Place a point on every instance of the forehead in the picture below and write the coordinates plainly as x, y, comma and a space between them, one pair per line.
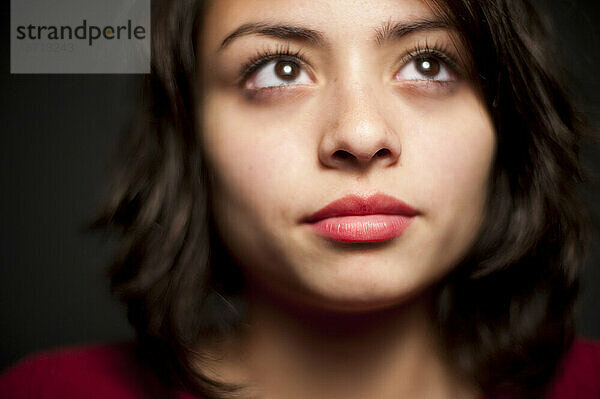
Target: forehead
338, 19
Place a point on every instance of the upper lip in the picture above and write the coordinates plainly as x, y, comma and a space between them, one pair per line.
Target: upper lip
355, 205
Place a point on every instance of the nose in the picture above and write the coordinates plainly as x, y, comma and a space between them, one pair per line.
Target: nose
356, 135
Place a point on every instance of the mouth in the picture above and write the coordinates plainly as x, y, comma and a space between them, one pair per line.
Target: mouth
355, 219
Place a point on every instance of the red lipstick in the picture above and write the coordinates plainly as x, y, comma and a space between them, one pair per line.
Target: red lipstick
352, 218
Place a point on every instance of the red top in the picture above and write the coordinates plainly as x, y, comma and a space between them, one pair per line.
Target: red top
113, 371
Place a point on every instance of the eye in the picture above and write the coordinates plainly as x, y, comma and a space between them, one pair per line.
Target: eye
427, 68
278, 73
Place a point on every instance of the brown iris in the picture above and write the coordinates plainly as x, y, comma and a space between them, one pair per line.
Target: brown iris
428, 66
287, 70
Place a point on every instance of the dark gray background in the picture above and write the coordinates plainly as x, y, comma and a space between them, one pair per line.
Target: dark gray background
57, 134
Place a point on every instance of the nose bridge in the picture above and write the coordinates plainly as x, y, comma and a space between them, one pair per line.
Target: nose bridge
357, 131
358, 112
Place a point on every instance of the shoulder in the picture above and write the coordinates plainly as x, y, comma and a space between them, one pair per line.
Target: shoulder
579, 376
99, 371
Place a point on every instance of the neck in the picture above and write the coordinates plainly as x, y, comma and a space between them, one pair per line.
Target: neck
287, 351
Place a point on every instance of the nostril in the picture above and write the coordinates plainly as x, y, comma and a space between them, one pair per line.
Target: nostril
343, 155
384, 152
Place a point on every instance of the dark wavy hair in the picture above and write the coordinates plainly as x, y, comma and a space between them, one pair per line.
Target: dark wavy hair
505, 314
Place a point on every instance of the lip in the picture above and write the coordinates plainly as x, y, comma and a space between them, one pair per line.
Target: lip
358, 219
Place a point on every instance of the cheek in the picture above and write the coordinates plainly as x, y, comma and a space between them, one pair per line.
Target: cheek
448, 147
452, 157
249, 152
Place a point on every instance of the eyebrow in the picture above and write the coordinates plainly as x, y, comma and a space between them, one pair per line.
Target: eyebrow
390, 31
393, 31
289, 32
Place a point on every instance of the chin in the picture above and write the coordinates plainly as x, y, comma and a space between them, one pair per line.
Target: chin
359, 295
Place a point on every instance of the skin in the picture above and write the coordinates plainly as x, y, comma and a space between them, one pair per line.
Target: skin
346, 319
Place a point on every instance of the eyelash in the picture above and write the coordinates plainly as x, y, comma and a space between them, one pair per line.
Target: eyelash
284, 53
281, 53
437, 51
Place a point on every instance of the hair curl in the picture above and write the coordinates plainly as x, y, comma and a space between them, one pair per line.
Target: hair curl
505, 313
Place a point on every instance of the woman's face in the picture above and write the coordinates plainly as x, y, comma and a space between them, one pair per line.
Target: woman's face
308, 102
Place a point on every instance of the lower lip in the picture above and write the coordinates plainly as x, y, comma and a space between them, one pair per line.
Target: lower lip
365, 228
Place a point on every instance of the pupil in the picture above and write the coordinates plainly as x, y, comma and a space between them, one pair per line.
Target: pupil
287, 70
428, 66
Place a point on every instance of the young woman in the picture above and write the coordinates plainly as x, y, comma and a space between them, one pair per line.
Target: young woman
344, 199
